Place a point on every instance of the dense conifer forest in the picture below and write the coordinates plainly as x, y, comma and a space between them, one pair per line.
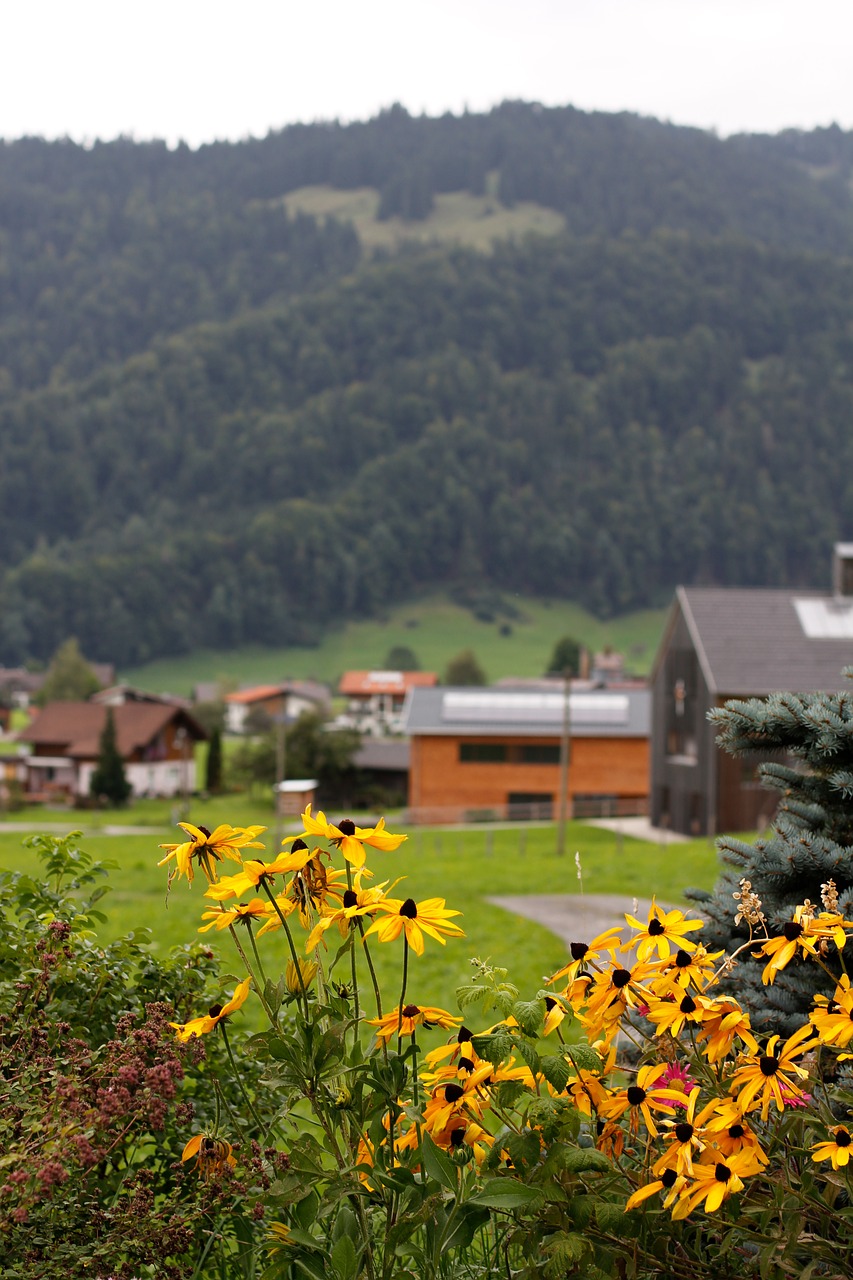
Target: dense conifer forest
219, 423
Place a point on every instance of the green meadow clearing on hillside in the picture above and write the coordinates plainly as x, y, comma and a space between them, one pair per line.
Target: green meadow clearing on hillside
516, 641
463, 866
458, 217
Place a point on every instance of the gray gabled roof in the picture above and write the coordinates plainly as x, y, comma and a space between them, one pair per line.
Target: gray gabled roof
492, 712
752, 642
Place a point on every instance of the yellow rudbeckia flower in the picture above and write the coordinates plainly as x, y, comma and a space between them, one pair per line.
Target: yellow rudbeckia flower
209, 847
415, 919
349, 838
215, 1014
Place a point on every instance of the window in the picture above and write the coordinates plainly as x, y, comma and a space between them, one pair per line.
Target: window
539, 753
482, 753
682, 689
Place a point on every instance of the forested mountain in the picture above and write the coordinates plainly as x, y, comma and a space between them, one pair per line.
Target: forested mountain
216, 426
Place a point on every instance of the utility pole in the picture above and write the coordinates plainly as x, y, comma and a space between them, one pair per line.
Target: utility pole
565, 752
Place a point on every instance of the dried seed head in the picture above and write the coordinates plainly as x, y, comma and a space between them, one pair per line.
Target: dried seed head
829, 895
749, 908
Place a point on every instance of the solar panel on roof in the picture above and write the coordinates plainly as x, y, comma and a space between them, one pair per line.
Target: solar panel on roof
824, 619
489, 706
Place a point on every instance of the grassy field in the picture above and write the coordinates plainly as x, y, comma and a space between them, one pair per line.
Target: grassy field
457, 218
436, 629
464, 867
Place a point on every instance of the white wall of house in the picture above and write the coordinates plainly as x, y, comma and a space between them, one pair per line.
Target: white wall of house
157, 778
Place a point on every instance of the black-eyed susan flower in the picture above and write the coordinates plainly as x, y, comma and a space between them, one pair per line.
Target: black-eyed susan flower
764, 1077
213, 1156
833, 1018
837, 1148
206, 848
671, 1016
415, 919
712, 1183
355, 902
663, 932
278, 1238
241, 913
719, 1030
413, 1015
215, 1014
349, 838
797, 936
686, 969
685, 1139
641, 1098
585, 953
669, 1182
255, 873
461, 1046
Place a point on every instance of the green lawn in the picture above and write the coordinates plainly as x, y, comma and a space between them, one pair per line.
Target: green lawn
436, 629
464, 867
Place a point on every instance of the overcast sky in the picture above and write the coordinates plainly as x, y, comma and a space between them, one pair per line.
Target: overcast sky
205, 69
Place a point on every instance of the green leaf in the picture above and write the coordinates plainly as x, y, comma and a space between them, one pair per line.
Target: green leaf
556, 1071
495, 1047
529, 1015
583, 1057
469, 994
437, 1165
504, 1194
469, 1220
585, 1160
345, 1258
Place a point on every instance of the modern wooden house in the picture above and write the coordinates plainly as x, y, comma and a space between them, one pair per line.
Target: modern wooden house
375, 699
288, 699
723, 643
496, 752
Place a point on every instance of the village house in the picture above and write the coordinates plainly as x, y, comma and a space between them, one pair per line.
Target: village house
497, 752
279, 703
154, 739
375, 699
722, 643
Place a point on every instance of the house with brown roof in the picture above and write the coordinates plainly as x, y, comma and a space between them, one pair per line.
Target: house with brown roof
154, 739
722, 643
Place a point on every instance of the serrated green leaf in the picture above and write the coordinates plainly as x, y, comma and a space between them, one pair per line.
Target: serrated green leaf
583, 1057
493, 1048
469, 994
529, 1014
556, 1070
613, 1219
585, 1160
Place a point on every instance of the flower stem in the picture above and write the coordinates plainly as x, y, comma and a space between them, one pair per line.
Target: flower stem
268, 891
239, 1078
259, 989
403, 993
352, 962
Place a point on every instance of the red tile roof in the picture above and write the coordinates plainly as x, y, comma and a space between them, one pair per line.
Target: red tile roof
365, 683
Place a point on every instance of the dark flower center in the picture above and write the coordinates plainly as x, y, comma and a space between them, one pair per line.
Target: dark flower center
684, 1131
688, 1005
409, 909
635, 1095
578, 950
463, 1035
769, 1065
457, 1137
465, 1064
682, 959
205, 830
208, 1144
346, 826
298, 846
350, 897
620, 977
792, 931
656, 929
410, 1010
842, 1138
453, 1092
550, 1003
722, 1172
736, 1131
668, 1178
215, 1010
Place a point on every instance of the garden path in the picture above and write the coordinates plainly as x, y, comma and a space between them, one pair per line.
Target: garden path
578, 917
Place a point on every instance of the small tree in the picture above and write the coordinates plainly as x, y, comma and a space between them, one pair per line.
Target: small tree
809, 843
401, 658
565, 658
213, 774
465, 669
109, 780
69, 677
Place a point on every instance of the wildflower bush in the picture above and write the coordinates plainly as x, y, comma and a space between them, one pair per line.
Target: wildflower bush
624, 1121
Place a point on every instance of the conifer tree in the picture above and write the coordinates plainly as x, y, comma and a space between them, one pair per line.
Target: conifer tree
213, 774
109, 780
809, 843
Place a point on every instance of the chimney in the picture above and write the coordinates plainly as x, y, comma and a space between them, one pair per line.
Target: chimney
842, 570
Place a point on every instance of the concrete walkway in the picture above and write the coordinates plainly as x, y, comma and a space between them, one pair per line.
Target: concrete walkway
639, 829
579, 917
